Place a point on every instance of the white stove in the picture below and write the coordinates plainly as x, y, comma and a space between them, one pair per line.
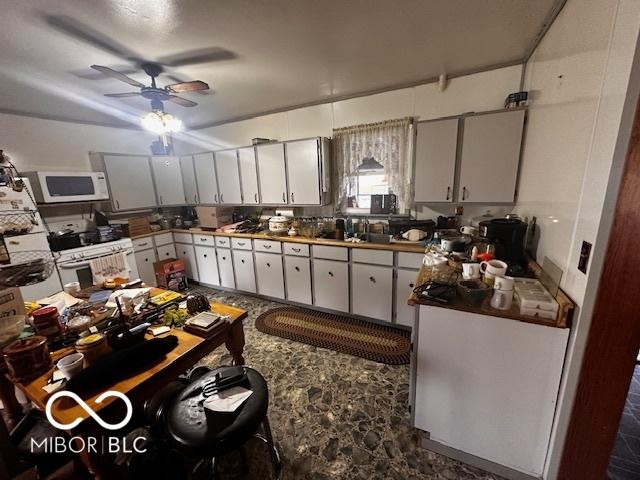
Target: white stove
73, 264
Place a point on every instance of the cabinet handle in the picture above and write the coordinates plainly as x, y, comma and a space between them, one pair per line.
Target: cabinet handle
184, 253
411, 285
242, 244
331, 274
143, 244
118, 204
255, 197
224, 258
161, 200
146, 259
373, 280
242, 261
464, 193
448, 192
222, 198
205, 255
268, 265
292, 200
284, 197
267, 246
14, 242
215, 198
297, 250
195, 198
297, 269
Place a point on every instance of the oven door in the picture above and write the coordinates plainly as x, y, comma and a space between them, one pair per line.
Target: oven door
81, 271
60, 187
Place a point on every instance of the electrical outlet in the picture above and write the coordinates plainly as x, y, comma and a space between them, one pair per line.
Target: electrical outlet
585, 253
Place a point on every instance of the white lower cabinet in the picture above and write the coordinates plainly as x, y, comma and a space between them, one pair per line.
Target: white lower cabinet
245, 273
207, 265
298, 274
405, 281
225, 268
166, 251
331, 284
269, 276
145, 260
372, 291
187, 254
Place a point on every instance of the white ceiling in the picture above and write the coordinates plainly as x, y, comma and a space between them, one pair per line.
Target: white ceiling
288, 52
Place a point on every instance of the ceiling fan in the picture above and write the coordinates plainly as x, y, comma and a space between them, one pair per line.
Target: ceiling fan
153, 92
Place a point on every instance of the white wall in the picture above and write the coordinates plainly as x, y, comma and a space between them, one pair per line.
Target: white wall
578, 131
477, 92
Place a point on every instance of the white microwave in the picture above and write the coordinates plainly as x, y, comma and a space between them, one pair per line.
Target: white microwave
59, 187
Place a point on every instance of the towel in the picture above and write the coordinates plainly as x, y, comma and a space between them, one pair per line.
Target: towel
111, 266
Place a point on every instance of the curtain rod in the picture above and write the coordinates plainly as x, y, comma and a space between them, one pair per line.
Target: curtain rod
385, 123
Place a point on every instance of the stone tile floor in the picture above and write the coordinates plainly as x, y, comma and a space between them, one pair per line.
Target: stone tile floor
624, 463
335, 416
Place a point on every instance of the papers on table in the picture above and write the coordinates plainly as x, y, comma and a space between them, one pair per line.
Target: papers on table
227, 400
61, 300
129, 293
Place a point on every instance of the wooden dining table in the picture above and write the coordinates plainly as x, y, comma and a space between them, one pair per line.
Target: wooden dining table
138, 387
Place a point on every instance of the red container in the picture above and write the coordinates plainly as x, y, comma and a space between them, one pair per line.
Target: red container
46, 321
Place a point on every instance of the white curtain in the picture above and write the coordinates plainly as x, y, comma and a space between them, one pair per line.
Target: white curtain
388, 142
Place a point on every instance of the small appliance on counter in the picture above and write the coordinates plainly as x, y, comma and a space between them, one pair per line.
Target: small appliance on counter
64, 240
279, 225
507, 234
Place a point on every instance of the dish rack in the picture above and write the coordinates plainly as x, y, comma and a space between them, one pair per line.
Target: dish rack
17, 222
26, 268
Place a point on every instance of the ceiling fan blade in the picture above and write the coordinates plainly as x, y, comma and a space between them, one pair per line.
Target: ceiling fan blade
176, 79
86, 34
123, 95
117, 75
182, 101
91, 74
193, 57
193, 86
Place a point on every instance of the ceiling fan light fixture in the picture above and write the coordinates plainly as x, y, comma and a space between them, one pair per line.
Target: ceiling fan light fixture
161, 123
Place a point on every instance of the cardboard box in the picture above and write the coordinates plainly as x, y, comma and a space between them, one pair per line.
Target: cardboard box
214, 217
171, 274
11, 303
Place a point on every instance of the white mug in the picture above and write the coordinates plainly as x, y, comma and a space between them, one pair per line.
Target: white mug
503, 283
71, 287
71, 364
468, 230
470, 271
502, 299
493, 269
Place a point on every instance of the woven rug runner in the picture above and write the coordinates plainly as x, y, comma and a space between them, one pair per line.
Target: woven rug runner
380, 343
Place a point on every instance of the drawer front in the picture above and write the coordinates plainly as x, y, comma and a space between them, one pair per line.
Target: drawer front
142, 243
166, 251
372, 291
267, 246
410, 260
405, 282
331, 284
163, 238
224, 242
297, 249
200, 239
331, 253
182, 237
245, 274
241, 243
298, 274
377, 257
269, 275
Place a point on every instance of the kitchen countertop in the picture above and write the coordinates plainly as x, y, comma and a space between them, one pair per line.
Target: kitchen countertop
396, 247
563, 320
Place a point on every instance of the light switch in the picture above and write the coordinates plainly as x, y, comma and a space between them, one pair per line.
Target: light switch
585, 253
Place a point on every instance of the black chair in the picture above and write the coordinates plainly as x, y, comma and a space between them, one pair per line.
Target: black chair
201, 435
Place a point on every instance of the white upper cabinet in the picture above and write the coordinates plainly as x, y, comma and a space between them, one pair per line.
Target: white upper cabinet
189, 179
168, 178
206, 178
272, 173
303, 170
228, 176
436, 145
130, 182
248, 176
490, 157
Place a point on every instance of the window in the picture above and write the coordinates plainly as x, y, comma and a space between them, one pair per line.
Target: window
370, 179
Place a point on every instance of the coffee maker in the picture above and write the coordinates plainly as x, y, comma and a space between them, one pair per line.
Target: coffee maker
507, 234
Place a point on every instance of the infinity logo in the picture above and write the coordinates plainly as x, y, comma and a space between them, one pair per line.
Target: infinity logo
89, 410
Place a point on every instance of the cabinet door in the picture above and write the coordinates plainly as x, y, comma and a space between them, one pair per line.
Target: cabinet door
130, 182
225, 267
490, 157
248, 175
303, 172
207, 265
189, 180
206, 178
187, 254
166, 251
298, 274
272, 173
228, 176
405, 313
168, 179
331, 284
436, 146
372, 291
269, 276
245, 273
145, 260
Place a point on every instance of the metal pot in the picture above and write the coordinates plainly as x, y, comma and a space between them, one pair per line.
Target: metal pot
279, 224
453, 244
